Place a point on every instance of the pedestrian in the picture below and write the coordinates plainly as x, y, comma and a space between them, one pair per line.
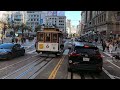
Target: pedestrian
103, 45
116, 46
12, 40
16, 40
110, 47
107, 45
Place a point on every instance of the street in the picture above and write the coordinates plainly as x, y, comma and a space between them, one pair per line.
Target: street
37, 66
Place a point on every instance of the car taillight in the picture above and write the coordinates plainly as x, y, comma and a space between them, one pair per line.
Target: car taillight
86, 46
99, 56
74, 54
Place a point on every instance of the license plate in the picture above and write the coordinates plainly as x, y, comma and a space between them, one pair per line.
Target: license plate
86, 59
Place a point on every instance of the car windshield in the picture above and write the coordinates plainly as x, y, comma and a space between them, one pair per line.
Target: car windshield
6, 46
90, 51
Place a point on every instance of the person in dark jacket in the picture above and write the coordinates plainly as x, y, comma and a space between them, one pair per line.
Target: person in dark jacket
12, 40
103, 46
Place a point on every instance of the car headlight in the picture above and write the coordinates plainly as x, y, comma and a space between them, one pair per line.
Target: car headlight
3, 52
70, 61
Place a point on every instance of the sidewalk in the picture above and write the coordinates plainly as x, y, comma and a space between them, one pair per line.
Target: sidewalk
107, 53
26, 44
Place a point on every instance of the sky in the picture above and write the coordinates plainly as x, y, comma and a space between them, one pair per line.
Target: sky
75, 16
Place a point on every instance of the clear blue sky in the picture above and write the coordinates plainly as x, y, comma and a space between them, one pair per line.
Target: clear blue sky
75, 16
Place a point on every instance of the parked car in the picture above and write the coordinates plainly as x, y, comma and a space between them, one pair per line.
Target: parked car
85, 56
11, 50
31, 37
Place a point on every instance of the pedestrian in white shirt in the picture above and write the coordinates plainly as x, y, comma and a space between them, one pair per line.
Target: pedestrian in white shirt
110, 47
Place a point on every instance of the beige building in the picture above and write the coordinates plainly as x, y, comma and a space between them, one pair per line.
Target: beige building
59, 21
105, 23
68, 26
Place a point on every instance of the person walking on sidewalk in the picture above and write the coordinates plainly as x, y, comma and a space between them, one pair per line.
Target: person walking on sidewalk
107, 45
103, 45
12, 40
110, 47
16, 40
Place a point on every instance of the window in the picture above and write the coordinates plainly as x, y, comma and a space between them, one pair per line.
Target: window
104, 17
34, 19
54, 38
37, 19
47, 37
31, 19
37, 15
34, 15
41, 37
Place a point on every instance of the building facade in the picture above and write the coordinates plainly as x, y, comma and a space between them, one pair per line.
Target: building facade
104, 23
78, 29
68, 26
58, 21
36, 18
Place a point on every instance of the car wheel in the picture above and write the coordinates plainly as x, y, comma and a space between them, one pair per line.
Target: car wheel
23, 53
9, 56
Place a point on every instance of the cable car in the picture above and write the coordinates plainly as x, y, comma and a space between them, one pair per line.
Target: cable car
50, 40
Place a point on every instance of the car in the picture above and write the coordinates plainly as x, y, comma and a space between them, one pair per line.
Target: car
31, 37
11, 50
85, 56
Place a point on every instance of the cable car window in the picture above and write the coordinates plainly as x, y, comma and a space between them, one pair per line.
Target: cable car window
41, 37
47, 37
54, 37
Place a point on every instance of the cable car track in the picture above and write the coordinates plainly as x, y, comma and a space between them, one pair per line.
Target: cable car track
29, 70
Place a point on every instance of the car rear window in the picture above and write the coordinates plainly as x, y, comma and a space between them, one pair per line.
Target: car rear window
91, 51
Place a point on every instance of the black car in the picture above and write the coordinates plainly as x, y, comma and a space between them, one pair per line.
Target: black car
11, 50
85, 56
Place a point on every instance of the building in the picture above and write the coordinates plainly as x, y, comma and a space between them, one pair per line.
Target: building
56, 13
36, 18
68, 26
58, 21
103, 23
17, 17
82, 21
78, 29
73, 29
3, 21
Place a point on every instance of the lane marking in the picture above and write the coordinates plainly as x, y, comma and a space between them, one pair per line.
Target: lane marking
31, 51
38, 72
17, 62
111, 76
20, 69
54, 72
113, 64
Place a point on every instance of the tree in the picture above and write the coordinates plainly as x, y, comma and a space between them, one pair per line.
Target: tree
38, 28
29, 30
23, 28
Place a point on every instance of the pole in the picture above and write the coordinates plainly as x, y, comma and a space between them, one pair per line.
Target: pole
40, 21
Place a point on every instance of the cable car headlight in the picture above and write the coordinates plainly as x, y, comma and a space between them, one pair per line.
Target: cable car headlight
70, 61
